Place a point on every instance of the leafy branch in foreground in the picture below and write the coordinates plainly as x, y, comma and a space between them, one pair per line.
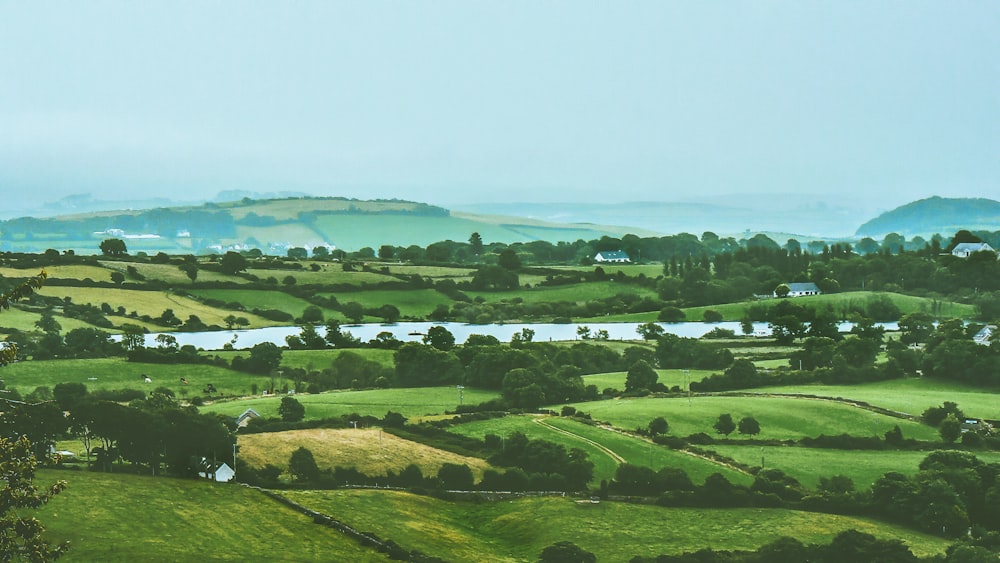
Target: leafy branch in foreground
8, 351
21, 536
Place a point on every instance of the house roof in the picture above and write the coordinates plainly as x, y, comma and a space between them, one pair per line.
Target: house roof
970, 247
803, 287
613, 255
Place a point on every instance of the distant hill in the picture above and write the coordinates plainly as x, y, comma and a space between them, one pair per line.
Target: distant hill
935, 215
274, 225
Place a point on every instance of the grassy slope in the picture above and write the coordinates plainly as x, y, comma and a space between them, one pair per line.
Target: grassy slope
809, 464
411, 403
912, 396
371, 451
668, 377
636, 451
113, 517
153, 303
780, 418
518, 530
116, 373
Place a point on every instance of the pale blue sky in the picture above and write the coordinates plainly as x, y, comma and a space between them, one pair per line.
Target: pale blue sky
462, 102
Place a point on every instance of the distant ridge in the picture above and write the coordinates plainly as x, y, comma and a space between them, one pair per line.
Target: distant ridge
935, 215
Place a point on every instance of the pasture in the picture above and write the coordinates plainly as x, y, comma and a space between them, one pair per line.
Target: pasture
668, 377
578, 435
807, 465
260, 299
120, 517
154, 303
518, 530
117, 373
781, 418
369, 450
410, 402
412, 303
911, 395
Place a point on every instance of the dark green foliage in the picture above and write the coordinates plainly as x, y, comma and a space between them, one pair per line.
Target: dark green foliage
418, 365
725, 424
302, 465
291, 410
566, 552
640, 376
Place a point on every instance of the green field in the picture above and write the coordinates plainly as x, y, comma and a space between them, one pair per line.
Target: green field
577, 293
116, 373
412, 303
780, 418
518, 530
668, 377
840, 301
913, 395
260, 299
413, 402
809, 464
117, 517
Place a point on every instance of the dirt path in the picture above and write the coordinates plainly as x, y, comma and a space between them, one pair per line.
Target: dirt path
618, 459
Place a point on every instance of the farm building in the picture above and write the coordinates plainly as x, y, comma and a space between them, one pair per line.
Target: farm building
966, 249
222, 474
245, 418
612, 257
801, 289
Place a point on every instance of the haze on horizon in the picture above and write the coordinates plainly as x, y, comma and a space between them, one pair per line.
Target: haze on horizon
460, 103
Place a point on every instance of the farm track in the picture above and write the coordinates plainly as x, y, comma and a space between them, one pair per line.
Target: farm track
618, 459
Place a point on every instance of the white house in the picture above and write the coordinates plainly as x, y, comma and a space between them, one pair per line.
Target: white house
801, 289
246, 417
612, 256
223, 473
984, 336
966, 249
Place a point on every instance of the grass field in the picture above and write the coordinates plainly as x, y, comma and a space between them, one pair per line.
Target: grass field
633, 450
153, 303
412, 303
780, 418
117, 517
615, 532
258, 299
809, 464
668, 377
411, 403
839, 302
913, 395
116, 373
577, 293
369, 450
19, 319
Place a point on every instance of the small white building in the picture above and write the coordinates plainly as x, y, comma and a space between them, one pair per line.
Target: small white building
984, 336
966, 249
245, 418
801, 289
612, 257
223, 473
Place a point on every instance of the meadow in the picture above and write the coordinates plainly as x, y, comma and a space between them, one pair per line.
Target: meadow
412, 403
911, 395
369, 450
807, 465
518, 530
120, 517
781, 418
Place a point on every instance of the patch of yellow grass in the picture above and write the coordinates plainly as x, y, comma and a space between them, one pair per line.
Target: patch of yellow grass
153, 303
370, 450
70, 272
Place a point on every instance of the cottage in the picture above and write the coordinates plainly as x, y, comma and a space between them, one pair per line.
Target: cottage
801, 289
612, 257
966, 249
245, 418
222, 474
985, 335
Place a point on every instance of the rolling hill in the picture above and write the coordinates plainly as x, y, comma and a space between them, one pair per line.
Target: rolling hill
935, 215
274, 225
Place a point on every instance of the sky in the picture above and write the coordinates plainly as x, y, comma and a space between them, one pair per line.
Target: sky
459, 102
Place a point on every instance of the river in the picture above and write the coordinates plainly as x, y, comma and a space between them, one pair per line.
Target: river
414, 331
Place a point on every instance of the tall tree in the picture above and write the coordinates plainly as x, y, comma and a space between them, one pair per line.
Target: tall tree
21, 535
476, 244
113, 247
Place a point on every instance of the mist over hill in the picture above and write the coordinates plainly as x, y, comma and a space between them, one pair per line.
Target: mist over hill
935, 215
